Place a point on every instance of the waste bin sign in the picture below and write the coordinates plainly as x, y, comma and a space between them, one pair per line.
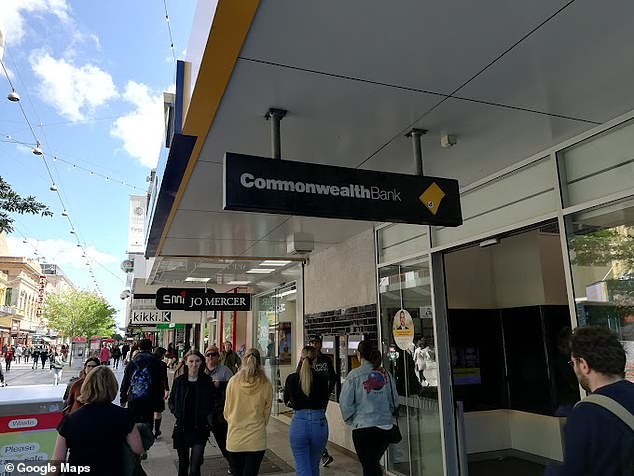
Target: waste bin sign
29, 416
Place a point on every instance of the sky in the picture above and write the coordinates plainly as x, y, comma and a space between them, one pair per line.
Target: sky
91, 76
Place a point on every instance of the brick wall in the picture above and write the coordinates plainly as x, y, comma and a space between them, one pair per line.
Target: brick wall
354, 320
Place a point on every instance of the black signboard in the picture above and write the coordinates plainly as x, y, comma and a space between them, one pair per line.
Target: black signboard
197, 299
259, 184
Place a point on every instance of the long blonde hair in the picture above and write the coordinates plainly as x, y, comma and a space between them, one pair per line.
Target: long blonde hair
251, 371
309, 354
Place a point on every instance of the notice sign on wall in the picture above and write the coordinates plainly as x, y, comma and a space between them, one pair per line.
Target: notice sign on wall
259, 184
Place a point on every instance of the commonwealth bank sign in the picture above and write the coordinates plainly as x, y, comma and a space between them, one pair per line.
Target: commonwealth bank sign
259, 184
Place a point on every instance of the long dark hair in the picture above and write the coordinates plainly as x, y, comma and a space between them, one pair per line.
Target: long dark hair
201, 369
368, 352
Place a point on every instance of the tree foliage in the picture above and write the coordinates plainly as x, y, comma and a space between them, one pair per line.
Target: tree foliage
11, 202
602, 248
79, 314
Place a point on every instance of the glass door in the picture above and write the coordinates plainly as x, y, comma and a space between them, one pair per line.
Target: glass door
408, 345
275, 313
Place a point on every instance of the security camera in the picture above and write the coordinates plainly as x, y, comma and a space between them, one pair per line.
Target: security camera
448, 140
125, 294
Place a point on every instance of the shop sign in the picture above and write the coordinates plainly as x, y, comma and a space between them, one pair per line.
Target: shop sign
150, 317
259, 184
40, 294
171, 325
196, 299
403, 329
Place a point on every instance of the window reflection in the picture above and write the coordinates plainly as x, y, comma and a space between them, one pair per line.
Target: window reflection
601, 246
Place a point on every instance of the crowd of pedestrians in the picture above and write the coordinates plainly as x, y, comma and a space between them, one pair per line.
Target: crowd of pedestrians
217, 393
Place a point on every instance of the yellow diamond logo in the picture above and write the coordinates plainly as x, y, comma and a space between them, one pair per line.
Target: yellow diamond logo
432, 197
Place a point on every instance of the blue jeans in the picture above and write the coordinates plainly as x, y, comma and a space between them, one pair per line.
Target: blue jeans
308, 435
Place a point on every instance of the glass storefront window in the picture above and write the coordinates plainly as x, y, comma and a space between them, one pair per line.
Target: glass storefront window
275, 315
601, 249
598, 166
407, 287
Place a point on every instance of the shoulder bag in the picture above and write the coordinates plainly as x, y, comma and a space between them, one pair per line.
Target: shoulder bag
611, 405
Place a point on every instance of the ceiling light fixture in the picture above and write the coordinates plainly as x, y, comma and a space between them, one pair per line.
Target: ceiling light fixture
13, 96
191, 279
238, 283
274, 262
489, 242
260, 270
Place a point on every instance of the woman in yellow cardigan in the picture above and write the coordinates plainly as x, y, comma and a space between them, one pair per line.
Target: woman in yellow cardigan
247, 411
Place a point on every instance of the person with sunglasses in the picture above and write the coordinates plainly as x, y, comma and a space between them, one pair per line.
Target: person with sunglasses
73, 403
220, 375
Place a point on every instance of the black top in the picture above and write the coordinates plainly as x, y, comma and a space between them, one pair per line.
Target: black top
95, 434
323, 366
190, 402
598, 443
297, 400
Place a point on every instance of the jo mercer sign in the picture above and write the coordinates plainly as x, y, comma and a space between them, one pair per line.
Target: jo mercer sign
258, 184
197, 299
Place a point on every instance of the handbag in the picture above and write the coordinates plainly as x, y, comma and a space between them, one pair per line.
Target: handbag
394, 434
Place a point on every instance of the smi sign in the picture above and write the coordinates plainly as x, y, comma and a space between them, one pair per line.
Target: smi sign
197, 299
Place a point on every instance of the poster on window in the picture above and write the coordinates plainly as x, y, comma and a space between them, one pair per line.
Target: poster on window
284, 343
403, 329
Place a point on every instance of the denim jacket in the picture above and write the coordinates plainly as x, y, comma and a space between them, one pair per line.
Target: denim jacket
366, 400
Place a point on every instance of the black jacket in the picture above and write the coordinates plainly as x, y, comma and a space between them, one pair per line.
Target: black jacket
202, 407
157, 386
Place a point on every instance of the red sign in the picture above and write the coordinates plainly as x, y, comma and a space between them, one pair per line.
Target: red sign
44, 421
40, 294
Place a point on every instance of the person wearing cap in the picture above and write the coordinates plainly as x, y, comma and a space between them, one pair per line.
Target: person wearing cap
220, 375
324, 368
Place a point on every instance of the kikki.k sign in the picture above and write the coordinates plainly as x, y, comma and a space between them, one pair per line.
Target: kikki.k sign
259, 184
198, 299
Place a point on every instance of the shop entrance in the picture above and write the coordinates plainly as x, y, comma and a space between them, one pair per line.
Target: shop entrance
405, 290
508, 321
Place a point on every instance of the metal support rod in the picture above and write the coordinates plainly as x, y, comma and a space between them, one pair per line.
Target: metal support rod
276, 115
417, 146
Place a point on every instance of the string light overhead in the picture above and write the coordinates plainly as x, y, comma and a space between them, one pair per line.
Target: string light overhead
37, 150
108, 178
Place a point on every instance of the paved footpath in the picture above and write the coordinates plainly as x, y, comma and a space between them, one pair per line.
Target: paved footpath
162, 458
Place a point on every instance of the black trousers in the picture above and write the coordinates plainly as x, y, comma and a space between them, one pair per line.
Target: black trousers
246, 463
219, 429
370, 444
189, 465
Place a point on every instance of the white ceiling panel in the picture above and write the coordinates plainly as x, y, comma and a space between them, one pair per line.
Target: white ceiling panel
489, 139
223, 225
435, 45
579, 64
330, 120
204, 247
204, 191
